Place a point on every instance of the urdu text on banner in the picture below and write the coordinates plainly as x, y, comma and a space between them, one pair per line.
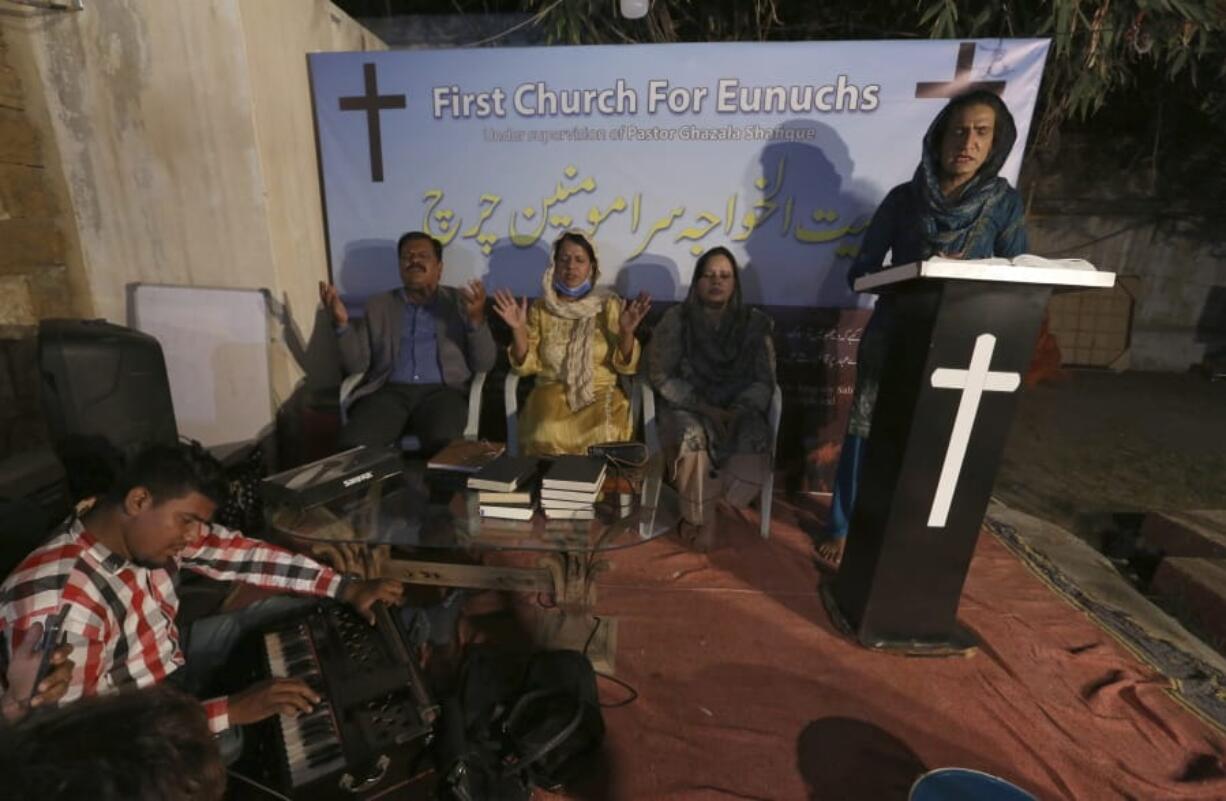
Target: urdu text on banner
780, 151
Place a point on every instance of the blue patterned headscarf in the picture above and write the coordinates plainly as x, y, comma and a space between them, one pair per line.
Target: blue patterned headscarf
950, 225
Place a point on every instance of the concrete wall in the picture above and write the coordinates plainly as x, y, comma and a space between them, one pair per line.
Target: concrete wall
35, 276
185, 136
277, 36
1082, 204
40, 265
1178, 272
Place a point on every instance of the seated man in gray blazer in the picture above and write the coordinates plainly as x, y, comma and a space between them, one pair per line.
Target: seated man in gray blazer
417, 346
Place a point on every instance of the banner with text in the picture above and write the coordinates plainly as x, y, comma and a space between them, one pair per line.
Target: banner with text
779, 151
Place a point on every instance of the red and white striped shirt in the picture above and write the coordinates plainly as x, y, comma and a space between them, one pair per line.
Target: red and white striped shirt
121, 616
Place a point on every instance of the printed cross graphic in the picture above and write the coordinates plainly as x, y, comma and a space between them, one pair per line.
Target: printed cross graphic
973, 382
962, 78
372, 103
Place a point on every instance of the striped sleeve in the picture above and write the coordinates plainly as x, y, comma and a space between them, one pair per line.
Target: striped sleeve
49, 580
228, 556
218, 712
89, 660
87, 635
89, 630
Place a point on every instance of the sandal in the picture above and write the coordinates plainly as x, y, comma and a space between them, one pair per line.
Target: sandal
695, 536
688, 532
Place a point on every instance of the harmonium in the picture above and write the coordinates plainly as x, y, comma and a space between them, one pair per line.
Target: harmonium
367, 739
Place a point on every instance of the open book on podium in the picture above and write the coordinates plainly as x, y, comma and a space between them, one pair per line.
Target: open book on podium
1035, 270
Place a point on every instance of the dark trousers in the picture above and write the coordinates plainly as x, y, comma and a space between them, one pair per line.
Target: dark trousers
434, 413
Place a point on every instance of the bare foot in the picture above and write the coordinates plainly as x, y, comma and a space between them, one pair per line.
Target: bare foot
831, 550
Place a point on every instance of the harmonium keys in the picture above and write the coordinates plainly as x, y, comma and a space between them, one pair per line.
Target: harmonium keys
311, 741
368, 737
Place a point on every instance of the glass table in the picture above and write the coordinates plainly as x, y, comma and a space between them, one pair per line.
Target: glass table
428, 511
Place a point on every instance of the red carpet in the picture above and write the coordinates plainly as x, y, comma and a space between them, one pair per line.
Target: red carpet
747, 692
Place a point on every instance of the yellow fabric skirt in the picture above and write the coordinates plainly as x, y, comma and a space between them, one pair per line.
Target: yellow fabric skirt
547, 426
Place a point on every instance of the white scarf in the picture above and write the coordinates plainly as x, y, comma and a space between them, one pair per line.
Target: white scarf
577, 367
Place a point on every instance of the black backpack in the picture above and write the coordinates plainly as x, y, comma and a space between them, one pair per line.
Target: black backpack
517, 722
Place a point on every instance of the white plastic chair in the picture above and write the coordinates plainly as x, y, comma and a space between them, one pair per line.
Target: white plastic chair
410, 443
773, 415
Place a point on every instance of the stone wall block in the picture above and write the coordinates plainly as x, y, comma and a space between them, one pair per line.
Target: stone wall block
25, 193
29, 242
18, 139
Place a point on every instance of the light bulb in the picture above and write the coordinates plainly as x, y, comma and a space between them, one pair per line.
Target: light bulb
635, 9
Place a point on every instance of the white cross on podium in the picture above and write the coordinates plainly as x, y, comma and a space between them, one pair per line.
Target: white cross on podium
973, 382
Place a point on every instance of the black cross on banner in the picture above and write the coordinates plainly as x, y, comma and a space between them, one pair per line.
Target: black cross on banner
962, 78
372, 103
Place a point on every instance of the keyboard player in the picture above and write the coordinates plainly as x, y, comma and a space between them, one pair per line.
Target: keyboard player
114, 569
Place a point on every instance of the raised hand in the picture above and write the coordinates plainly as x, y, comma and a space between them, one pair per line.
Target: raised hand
331, 299
514, 314
633, 312
473, 294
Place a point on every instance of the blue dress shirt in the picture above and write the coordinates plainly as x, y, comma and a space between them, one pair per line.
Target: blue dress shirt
417, 362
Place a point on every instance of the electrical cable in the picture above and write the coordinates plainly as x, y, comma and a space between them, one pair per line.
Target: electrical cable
591, 634
634, 694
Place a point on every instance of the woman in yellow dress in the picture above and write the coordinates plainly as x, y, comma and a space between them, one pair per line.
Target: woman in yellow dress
576, 338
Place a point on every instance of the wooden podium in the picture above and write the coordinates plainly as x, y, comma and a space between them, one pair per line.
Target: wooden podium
963, 336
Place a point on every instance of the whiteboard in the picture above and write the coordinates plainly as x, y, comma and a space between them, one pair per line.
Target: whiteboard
216, 343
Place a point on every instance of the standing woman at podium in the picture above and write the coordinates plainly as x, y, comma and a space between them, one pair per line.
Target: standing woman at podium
955, 206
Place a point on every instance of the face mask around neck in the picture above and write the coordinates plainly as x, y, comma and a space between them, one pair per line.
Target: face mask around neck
573, 292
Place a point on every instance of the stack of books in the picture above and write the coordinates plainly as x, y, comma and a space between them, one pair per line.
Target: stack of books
570, 487
506, 487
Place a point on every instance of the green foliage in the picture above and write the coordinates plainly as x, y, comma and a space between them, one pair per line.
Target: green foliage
1155, 69
1152, 72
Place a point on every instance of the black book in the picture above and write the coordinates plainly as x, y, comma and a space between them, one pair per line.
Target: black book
503, 474
575, 473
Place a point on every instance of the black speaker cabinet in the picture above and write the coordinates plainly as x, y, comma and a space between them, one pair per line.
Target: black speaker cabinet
100, 379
